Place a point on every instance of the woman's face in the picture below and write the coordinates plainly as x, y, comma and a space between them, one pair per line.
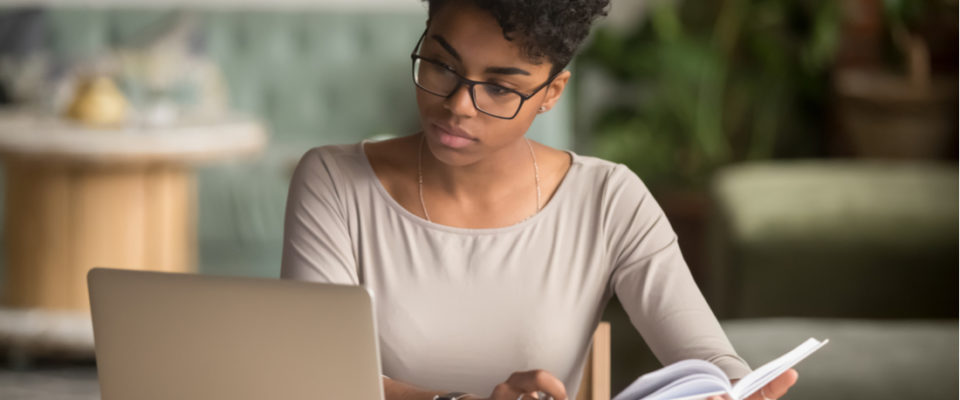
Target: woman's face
471, 42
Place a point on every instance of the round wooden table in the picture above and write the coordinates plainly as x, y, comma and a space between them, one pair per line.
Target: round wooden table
80, 197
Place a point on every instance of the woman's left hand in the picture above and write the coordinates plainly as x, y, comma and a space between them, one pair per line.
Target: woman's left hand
774, 390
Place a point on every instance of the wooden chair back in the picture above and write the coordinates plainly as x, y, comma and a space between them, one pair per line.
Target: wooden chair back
595, 383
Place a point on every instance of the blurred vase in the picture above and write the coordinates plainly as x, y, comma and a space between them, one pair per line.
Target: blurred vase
887, 115
98, 102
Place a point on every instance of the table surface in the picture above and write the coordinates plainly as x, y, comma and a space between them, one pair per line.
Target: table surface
27, 134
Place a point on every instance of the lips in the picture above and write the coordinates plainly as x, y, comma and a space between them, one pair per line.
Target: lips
453, 137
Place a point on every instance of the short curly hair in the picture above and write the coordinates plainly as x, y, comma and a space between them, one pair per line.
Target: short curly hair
547, 29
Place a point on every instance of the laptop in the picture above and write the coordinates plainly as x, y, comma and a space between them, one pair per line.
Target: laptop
195, 337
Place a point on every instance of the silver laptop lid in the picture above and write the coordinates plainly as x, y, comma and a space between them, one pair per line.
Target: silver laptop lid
180, 336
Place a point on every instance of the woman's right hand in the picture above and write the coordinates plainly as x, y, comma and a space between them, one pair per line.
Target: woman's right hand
528, 383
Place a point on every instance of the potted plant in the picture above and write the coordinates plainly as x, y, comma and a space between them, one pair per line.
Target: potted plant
700, 85
899, 105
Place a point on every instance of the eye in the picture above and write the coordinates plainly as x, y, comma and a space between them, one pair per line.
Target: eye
435, 61
439, 67
495, 90
443, 65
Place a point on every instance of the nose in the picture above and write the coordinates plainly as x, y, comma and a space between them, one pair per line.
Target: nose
460, 103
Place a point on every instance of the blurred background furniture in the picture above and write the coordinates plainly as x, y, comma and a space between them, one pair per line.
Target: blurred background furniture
314, 75
866, 359
679, 91
861, 252
595, 382
79, 197
863, 239
805, 154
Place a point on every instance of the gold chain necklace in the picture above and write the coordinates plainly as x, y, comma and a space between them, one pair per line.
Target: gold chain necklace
423, 206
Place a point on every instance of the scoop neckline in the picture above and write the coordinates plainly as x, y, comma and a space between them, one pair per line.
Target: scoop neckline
574, 160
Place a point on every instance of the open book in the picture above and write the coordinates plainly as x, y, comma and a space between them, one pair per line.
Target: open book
698, 379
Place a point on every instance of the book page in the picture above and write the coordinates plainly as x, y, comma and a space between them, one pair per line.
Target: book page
651, 382
695, 386
769, 371
699, 379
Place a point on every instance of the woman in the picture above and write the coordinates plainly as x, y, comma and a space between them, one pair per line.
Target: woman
491, 257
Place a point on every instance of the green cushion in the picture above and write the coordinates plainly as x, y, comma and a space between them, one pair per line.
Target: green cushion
836, 238
878, 360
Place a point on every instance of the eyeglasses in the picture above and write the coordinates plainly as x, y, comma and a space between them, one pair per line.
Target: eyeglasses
439, 79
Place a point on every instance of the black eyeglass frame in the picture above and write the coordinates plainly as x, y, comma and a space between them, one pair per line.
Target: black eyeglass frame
469, 82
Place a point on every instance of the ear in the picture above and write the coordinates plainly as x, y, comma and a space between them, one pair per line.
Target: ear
555, 89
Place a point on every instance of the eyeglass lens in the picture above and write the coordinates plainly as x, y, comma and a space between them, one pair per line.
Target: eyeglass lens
489, 98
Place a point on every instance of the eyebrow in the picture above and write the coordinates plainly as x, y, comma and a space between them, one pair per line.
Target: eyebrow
443, 42
490, 70
506, 71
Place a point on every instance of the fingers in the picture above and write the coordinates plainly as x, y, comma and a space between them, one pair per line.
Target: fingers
778, 387
504, 391
530, 382
538, 380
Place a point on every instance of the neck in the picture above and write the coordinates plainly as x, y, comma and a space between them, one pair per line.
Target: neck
491, 177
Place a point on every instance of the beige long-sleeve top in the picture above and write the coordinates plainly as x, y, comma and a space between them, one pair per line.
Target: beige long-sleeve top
461, 309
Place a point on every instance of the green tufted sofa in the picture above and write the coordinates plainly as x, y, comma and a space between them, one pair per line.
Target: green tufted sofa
313, 76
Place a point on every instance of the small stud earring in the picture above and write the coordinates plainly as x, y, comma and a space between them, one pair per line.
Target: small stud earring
542, 109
